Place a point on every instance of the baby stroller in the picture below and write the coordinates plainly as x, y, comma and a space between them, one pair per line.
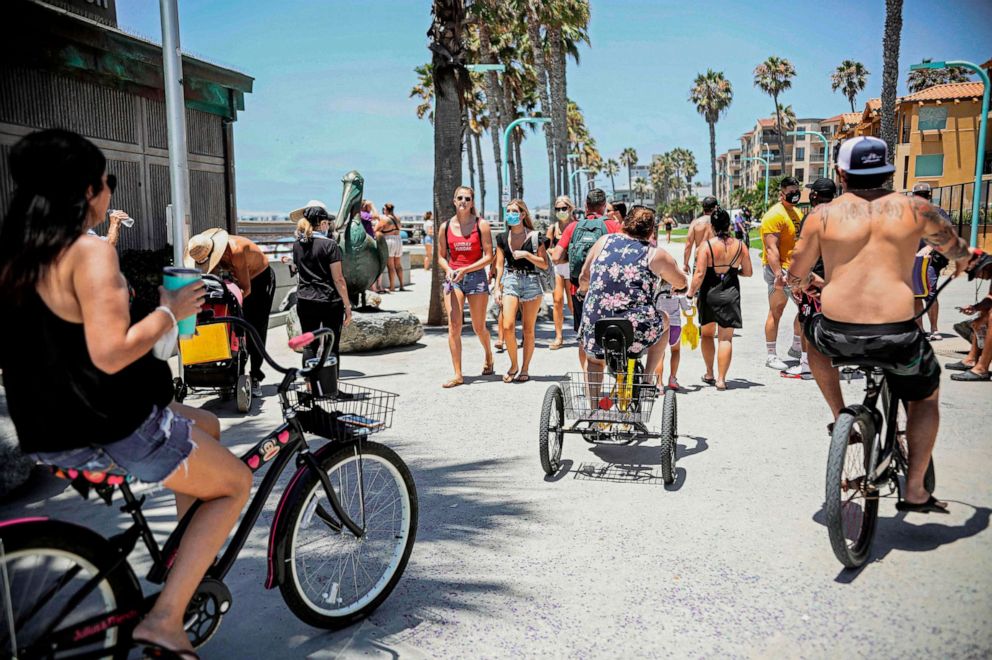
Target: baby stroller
217, 356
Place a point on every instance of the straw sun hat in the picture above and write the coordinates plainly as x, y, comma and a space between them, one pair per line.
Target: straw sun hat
296, 215
205, 250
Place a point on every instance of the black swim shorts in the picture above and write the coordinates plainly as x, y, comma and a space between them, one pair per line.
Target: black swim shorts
915, 373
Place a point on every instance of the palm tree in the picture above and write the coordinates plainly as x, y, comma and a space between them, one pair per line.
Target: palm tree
629, 158
424, 91
890, 72
611, 169
534, 23
712, 94
925, 78
850, 77
567, 23
450, 81
788, 118
774, 76
641, 188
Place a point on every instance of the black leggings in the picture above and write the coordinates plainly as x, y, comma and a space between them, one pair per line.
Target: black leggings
256, 310
317, 314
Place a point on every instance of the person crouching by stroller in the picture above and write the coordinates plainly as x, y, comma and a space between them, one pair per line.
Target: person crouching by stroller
321, 293
250, 270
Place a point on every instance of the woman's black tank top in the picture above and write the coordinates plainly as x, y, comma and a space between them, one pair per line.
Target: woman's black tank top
58, 400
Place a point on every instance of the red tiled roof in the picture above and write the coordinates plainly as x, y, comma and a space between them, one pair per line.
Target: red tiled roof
835, 118
765, 123
875, 104
963, 90
852, 117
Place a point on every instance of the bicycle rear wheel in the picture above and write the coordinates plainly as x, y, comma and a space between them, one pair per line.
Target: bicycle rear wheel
45, 565
851, 503
669, 433
550, 434
334, 578
902, 414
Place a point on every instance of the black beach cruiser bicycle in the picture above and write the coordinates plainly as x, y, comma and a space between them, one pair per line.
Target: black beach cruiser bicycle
614, 409
340, 539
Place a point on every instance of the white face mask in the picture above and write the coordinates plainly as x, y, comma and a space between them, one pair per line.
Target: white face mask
562, 215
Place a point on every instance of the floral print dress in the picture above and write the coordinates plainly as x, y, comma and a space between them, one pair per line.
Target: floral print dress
622, 286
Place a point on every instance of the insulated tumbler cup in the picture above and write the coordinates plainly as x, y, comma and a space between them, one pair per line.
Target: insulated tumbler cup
176, 278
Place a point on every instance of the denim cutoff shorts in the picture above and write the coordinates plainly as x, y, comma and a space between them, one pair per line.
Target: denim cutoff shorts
151, 454
472, 283
521, 284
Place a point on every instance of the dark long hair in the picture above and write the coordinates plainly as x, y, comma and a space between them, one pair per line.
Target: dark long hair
720, 220
52, 171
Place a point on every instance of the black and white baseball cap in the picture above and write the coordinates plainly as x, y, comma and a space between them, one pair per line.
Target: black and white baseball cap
862, 156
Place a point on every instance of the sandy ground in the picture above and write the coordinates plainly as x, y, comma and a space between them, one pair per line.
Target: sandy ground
603, 560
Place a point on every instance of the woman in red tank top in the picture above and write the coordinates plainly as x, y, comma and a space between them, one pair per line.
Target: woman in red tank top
465, 249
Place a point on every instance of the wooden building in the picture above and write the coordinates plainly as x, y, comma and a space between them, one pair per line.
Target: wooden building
66, 64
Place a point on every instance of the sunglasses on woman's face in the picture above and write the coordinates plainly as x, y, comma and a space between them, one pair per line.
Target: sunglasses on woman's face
463, 199
112, 182
561, 208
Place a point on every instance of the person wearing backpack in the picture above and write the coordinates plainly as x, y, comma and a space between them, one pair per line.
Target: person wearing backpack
520, 255
574, 246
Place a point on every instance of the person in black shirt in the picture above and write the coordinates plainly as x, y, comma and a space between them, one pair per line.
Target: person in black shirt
321, 293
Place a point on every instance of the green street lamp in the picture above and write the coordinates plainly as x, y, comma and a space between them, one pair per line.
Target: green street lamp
976, 194
571, 160
826, 147
506, 162
765, 161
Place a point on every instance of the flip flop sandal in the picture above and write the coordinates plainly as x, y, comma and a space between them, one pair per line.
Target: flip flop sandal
721, 388
454, 382
155, 650
709, 381
971, 376
932, 505
959, 366
488, 370
555, 345
500, 348
523, 378
508, 378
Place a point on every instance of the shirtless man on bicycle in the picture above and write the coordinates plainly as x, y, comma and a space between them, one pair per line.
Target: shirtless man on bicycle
868, 239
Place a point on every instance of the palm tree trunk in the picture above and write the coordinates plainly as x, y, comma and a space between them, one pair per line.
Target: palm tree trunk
890, 73
492, 103
477, 139
851, 99
630, 185
613, 186
447, 136
537, 49
781, 135
559, 108
467, 141
713, 157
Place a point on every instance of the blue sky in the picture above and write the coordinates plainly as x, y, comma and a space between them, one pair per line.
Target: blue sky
332, 80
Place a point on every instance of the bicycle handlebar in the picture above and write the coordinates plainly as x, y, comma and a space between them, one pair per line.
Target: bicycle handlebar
306, 338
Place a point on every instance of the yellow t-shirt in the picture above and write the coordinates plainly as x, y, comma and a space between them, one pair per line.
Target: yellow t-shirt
781, 221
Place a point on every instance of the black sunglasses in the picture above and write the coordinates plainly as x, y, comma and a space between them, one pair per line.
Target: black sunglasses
112, 182
561, 208
463, 199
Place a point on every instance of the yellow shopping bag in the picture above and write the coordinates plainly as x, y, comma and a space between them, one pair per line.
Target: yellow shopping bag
690, 331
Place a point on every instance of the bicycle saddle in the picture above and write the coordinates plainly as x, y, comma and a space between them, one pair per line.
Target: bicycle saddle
103, 482
863, 362
614, 335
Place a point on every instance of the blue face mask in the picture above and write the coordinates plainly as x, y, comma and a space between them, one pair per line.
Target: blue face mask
512, 219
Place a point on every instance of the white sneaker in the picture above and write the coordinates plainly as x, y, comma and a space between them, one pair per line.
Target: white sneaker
795, 353
773, 362
799, 371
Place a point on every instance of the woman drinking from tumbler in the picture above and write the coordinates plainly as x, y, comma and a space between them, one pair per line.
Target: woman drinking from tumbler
522, 250
464, 250
718, 265
68, 339
564, 210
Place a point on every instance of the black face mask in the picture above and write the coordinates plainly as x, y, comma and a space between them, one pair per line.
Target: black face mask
793, 197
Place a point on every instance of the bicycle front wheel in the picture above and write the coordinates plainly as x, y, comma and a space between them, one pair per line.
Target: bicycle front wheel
46, 566
334, 578
669, 433
851, 503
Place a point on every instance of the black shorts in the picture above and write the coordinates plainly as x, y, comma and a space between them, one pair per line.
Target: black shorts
576, 311
915, 373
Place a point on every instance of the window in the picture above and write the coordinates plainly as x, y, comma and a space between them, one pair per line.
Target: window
930, 165
905, 173
800, 174
800, 153
801, 129
933, 118
906, 121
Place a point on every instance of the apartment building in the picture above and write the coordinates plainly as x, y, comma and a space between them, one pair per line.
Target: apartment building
728, 175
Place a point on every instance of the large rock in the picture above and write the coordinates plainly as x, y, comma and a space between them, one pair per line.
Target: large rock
14, 467
373, 331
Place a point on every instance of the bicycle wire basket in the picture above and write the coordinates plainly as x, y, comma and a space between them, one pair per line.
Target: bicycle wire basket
356, 410
611, 400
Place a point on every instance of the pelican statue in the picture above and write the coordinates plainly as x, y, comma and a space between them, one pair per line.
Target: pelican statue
364, 257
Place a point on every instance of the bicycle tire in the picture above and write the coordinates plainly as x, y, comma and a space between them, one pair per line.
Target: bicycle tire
53, 539
902, 416
669, 433
301, 507
550, 452
854, 553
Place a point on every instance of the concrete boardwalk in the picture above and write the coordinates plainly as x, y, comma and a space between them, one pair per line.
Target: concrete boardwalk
733, 560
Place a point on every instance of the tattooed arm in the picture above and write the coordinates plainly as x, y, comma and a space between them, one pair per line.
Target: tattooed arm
807, 251
939, 233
